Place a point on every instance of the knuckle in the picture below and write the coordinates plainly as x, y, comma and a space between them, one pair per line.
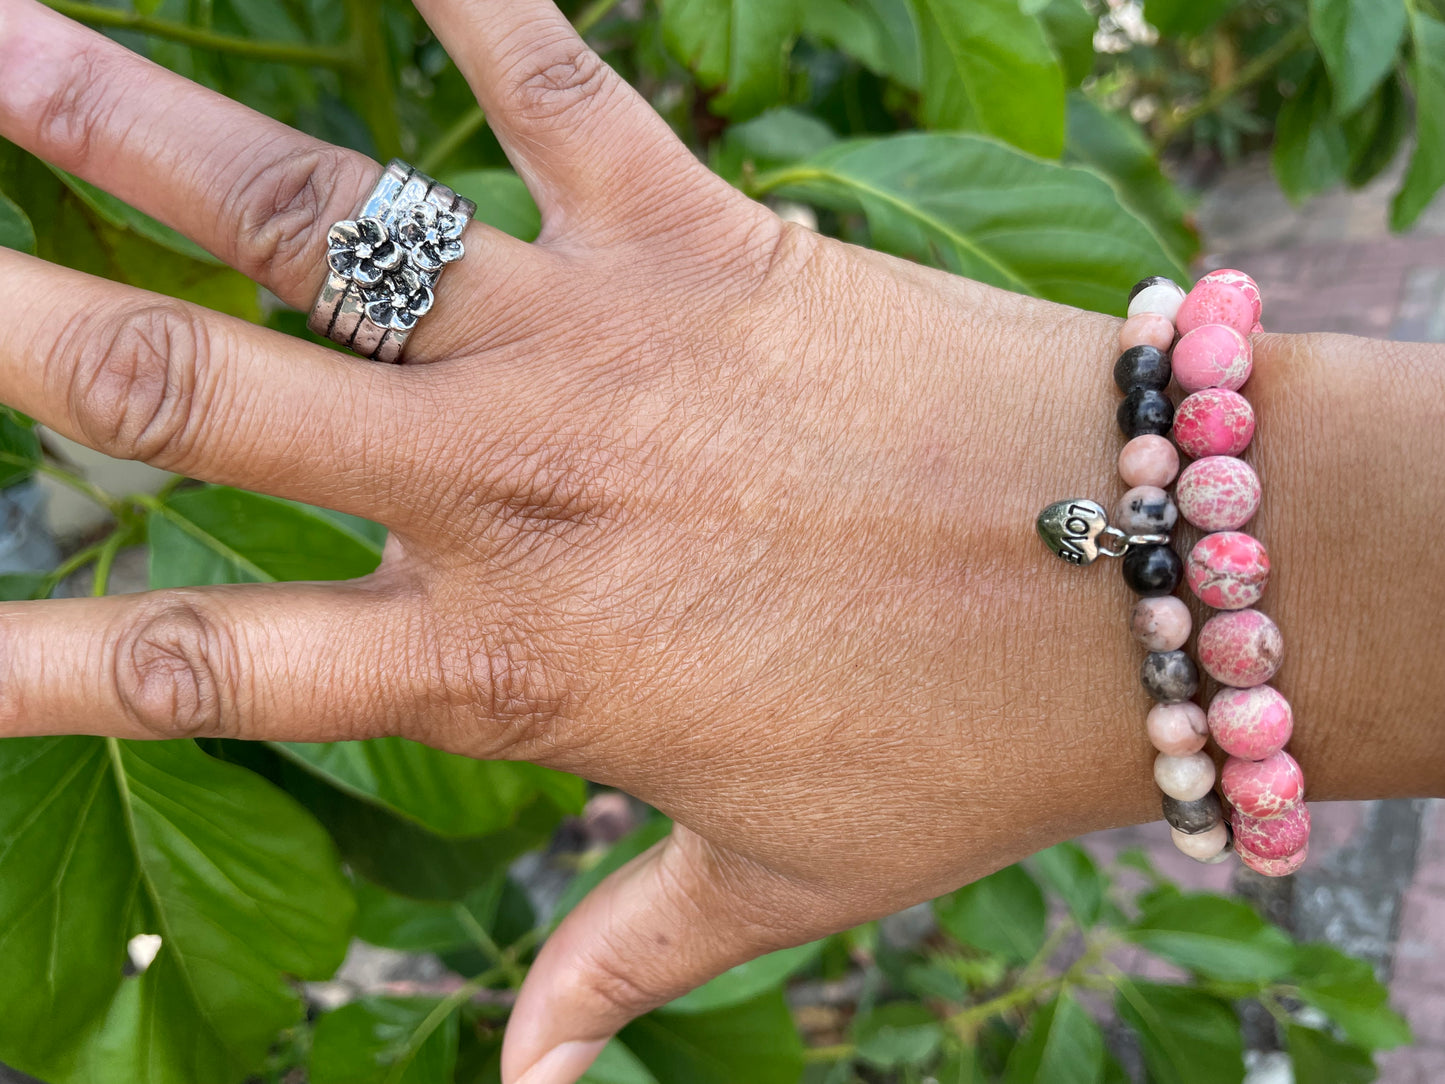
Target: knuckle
81, 105
516, 687
133, 384
174, 672
554, 81
283, 210
619, 981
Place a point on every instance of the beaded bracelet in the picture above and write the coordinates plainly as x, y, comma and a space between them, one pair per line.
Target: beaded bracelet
1218, 492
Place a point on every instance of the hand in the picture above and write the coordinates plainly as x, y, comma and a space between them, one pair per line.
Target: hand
682, 499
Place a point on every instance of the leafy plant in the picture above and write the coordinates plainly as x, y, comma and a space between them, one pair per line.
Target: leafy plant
987, 137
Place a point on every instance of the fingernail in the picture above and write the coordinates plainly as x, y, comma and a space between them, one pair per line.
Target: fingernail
563, 1064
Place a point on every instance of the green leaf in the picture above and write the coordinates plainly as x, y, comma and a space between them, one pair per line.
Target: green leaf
1063, 1046
774, 138
1072, 873
1184, 18
740, 47
755, 1041
1320, 1058
394, 921
15, 229
221, 535
405, 858
980, 209
123, 216
1220, 938
104, 838
502, 200
385, 1041
1004, 913
1346, 990
1070, 27
1357, 40
988, 66
748, 980
446, 793
897, 1034
650, 833
617, 1065
1310, 152
1426, 174
18, 438
22, 586
1376, 132
1187, 1036
882, 35
1113, 145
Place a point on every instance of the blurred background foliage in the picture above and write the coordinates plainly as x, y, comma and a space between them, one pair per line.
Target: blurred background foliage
161, 904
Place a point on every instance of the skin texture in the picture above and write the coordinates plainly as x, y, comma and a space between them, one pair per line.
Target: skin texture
687, 501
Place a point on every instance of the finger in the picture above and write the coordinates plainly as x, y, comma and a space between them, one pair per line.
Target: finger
660, 926
590, 147
140, 376
256, 193
292, 662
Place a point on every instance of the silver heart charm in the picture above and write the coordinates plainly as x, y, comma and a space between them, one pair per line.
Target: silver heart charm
1072, 528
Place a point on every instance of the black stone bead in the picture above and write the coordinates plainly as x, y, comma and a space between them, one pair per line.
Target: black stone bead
1194, 817
1145, 410
1142, 367
1144, 284
1169, 676
1152, 570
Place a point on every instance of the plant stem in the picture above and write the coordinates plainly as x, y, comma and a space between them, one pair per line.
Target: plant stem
829, 1053
1253, 72
69, 479
72, 564
969, 1019
106, 561
453, 139
280, 52
474, 120
373, 92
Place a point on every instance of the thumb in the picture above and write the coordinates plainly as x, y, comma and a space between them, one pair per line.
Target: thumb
672, 918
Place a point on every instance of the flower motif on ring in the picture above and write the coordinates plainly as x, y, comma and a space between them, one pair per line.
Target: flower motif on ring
399, 300
362, 251
432, 237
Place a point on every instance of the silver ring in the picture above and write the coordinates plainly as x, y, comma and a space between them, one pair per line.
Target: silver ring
384, 264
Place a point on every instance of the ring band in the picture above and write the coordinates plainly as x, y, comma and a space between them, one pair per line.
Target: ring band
383, 265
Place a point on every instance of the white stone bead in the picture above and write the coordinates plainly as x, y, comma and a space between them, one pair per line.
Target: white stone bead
1204, 846
1163, 298
1186, 779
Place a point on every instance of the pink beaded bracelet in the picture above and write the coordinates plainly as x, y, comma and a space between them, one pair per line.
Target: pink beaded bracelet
1201, 341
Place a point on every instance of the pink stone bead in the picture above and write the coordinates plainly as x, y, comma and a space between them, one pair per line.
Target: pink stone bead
1227, 570
1274, 867
1212, 356
1147, 329
1162, 623
1218, 493
1215, 303
1263, 788
1240, 648
1277, 837
1251, 723
1177, 729
1149, 460
1202, 846
1186, 778
1242, 282
1215, 421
